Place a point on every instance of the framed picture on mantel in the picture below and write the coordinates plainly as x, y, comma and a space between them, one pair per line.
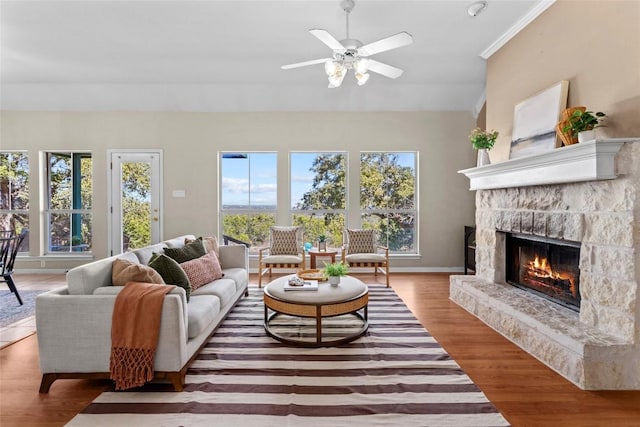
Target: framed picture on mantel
535, 119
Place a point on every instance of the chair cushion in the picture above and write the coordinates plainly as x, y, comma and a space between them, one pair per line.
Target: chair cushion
203, 270
284, 241
188, 252
171, 272
282, 259
365, 258
124, 271
361, 241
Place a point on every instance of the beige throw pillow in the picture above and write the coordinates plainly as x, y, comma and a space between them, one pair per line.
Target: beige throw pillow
124, 271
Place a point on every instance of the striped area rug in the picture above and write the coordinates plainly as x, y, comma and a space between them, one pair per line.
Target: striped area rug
395, 375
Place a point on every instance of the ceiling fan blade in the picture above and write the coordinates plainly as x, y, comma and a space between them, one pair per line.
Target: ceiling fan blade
305, 63
325, 37
388, 43
384, 69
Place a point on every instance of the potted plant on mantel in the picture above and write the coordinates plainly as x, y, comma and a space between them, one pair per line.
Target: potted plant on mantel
578, 125
483, 141
334, 271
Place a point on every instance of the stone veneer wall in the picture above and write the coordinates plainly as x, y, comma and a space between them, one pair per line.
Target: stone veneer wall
601, 349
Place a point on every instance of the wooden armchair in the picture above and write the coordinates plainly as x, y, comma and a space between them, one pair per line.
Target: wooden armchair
284, 251
360, 249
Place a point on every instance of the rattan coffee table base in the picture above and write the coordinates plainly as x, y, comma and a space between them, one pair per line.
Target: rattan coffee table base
317, 311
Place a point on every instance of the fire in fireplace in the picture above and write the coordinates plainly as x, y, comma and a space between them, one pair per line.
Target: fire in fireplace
547, 267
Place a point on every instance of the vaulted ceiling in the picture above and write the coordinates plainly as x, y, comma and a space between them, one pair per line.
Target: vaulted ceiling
213, 55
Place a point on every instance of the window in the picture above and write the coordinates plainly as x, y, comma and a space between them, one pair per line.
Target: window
248, 190
14, 193
318, 195
388, 198
69, 201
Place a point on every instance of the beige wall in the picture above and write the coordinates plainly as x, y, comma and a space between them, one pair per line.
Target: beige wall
595, 45
190, 142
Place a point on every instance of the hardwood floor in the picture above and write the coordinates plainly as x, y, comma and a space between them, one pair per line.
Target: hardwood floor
524, 390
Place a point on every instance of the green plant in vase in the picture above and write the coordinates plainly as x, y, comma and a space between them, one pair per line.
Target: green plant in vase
483, 141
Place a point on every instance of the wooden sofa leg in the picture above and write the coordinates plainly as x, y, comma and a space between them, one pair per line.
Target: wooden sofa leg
177, 379
47, 380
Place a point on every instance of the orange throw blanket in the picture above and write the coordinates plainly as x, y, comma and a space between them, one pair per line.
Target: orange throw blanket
135, 327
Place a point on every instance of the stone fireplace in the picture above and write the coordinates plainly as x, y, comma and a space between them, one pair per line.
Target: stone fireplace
593, 209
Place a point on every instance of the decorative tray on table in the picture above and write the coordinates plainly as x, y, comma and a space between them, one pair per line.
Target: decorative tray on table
313, 274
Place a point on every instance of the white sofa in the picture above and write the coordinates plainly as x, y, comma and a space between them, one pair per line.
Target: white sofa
74, 322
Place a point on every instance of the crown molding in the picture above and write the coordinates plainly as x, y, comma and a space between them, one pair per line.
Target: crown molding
532, 14
479, 103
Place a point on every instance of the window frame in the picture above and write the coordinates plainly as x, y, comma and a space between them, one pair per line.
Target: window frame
48, 211
24, 248
384, 239
320, 212
249, 210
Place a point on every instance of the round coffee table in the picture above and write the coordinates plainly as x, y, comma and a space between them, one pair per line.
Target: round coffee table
350, 296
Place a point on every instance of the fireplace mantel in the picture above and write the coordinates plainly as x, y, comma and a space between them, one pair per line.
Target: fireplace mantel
587, 161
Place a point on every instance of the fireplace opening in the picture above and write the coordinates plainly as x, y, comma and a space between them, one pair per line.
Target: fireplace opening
546, 267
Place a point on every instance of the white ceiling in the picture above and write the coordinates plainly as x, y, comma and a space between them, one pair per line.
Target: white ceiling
214, 55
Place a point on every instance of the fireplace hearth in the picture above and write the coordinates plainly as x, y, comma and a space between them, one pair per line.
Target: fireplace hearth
546, 267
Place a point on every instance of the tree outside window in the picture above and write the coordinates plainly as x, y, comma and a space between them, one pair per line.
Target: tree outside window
248, 191
14, 193
388, 198
318, 195
69, 204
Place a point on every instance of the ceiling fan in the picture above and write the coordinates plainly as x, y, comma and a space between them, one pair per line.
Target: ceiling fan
351, 54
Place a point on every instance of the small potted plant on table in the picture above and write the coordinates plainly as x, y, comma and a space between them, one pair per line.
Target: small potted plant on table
334, 271
483, 141
322, 242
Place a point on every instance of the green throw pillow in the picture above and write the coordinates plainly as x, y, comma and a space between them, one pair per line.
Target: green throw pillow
188, 252
171, 272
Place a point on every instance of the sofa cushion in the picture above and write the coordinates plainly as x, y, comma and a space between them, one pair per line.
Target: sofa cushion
186, 253
224, 288
238, 275
178, 242
171, 272
144, 254
203, 270
123, 271
202, 310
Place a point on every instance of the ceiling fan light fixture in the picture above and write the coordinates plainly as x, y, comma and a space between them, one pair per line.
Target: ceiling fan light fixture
351, 54
330, 67
362, 78
362, 66
335, 79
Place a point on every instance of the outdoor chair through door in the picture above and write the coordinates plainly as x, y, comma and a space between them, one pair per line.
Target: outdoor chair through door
9, 247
